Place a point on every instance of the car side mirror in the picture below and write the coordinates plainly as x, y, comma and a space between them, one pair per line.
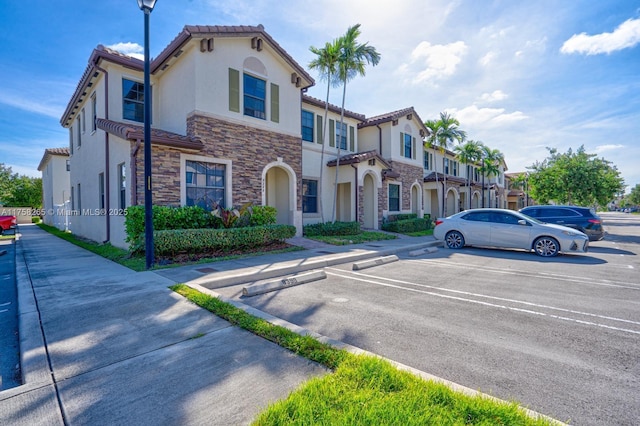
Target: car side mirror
522, 222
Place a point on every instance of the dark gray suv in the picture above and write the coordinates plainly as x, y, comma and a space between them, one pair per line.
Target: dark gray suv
583, 219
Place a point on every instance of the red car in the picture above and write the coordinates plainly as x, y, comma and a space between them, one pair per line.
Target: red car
7, 222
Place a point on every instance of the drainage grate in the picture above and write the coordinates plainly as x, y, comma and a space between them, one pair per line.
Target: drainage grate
326, 252
375, 245
206, 270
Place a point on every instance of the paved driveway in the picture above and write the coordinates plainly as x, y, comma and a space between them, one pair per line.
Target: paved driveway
560, 335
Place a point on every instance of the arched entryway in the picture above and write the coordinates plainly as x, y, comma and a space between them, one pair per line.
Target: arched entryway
451, 203
370, 202
415, 200
278, 194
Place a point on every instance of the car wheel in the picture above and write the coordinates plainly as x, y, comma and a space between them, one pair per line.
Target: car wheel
546, 247
454, 240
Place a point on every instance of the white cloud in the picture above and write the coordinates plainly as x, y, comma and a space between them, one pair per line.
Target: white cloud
610, 147
496, 95
626, 35
487, 59
130, 49
430, 62
30, 105
472, 115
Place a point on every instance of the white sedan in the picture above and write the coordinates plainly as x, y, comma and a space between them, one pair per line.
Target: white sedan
508, 229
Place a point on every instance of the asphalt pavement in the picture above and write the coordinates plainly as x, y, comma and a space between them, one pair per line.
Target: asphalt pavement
102, 344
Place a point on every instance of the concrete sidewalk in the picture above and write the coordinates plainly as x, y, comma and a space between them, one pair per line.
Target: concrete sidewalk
102, 344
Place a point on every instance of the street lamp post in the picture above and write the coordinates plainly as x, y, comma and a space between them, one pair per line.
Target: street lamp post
147, 7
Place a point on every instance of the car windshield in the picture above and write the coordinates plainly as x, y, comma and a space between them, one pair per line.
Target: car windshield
532, 219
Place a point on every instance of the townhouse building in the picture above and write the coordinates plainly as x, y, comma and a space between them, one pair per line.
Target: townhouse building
54, 167
232, 124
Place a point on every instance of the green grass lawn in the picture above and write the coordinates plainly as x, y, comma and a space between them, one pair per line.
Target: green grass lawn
363, 237
361, 390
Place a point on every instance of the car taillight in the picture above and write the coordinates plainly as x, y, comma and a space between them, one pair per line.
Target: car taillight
593, 221
439, 221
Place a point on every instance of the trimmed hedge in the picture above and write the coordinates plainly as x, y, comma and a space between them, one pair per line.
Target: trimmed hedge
401, 216
164, 217
407, 225
189, 241
330, 229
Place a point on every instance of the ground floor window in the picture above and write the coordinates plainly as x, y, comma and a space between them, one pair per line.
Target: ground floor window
394, 197
205, 183
309, 196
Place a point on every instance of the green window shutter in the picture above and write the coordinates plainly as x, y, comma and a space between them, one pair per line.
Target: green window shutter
332, 133
401, 144
234, 90
352, 139
275, 103
319, 128
413, 148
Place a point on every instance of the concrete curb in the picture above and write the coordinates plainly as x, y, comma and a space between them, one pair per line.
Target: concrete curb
254, 274
358, 351
291, 281
374, 262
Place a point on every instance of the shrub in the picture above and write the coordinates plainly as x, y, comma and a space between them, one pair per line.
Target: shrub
164, 217
407, 225
329, 229
172, 242
263, 215
401, 216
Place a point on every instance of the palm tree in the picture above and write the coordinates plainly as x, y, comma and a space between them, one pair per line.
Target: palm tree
352, 59
326, 62
491, 159
469, 153
444, 132
520, 181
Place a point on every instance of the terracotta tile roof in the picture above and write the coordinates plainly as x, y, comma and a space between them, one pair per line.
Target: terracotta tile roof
359, 157
200, 31
391, 116
132, 132
49, 152
189, 31
333, 108
431, 177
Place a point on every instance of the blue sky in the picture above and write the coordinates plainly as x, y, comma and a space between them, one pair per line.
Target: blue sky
519, 75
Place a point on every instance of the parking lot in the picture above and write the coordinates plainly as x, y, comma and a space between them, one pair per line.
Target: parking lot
560, 335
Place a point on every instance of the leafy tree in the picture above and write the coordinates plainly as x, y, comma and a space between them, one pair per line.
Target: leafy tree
634, 195
351, 63
19, 190
326, 62
443, 132
575, 178
490, 165
469, 153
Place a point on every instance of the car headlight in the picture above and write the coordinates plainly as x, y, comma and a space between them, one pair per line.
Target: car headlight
570, 233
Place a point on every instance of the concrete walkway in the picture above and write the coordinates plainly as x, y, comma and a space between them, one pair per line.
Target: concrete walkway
102, 344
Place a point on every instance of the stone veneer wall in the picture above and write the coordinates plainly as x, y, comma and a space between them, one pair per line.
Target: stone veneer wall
408, 176
165, 175
250, 149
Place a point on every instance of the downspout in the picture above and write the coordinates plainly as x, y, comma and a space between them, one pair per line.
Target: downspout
356, 181
379, 139
107, 167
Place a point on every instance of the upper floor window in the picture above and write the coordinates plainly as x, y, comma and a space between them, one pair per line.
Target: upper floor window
205, 184
455, 168
428, 160
254, 96
307, 126
446, 166
79, 129
132, 100
407, 142
341, 136
84, 121
94, 112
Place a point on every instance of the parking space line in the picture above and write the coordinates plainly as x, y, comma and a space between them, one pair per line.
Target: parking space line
376, 280
559, 277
